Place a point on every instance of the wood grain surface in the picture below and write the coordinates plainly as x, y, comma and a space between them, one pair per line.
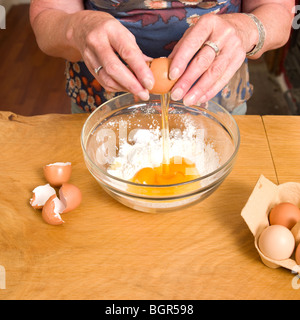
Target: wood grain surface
284, 138
108, 251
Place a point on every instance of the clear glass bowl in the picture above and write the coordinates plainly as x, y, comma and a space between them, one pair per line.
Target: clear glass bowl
211, 132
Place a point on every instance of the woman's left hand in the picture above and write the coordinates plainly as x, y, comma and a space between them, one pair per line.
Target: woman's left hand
200, 71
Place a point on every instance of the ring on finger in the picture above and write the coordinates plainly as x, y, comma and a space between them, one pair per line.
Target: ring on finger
97, 70
213, 45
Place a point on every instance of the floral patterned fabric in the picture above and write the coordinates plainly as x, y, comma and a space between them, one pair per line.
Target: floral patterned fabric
157, 26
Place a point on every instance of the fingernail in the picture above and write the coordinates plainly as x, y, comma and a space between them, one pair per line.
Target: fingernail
174, 74
177, 94
189, 100
143, 95
148, 83
202, 99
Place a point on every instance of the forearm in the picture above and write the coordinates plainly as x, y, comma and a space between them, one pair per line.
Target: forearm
52, 27
277, 20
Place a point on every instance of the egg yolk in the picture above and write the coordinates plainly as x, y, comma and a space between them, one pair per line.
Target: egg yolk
166, 174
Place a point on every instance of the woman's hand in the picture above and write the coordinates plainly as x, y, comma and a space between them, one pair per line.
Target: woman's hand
101, 40
64, 29
201, 72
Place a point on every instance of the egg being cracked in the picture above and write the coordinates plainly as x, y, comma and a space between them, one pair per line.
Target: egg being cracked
160, 69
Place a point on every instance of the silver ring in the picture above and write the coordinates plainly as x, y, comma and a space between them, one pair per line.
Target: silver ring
213, 45
97, 70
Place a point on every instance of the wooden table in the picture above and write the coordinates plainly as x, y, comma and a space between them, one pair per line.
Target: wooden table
108, 251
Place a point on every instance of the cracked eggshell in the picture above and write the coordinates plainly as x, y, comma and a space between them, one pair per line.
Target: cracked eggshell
160, 69
51, 211
40, 195
58, 173
70, 196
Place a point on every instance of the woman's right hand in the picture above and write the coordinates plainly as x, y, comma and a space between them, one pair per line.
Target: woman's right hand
101, 40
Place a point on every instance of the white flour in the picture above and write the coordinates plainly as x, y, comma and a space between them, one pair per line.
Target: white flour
146, 151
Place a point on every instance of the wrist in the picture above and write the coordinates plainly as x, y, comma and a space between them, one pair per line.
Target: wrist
246, 29
50, 27
261, 34
72, 28
81, 29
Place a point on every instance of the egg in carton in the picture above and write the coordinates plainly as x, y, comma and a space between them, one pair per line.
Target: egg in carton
264, 197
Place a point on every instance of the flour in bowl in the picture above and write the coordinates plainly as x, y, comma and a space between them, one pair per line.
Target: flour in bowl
145, 150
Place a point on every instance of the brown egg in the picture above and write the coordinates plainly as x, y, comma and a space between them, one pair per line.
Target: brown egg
297, 254
70, 196
160, 69
285, 214
296, 232
51, 211
276, 242
58, 173
40, 195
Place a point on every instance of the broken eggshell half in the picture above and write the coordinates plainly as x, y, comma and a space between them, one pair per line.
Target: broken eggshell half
69, 199
40, 195
58, 173
51, 211
70, 196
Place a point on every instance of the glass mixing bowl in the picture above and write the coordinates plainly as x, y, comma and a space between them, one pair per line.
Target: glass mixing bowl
124, 135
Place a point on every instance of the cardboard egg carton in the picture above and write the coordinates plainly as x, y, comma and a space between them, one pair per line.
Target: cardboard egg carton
264, 197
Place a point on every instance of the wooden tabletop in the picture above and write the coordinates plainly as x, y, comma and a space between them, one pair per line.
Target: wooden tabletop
108, 251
